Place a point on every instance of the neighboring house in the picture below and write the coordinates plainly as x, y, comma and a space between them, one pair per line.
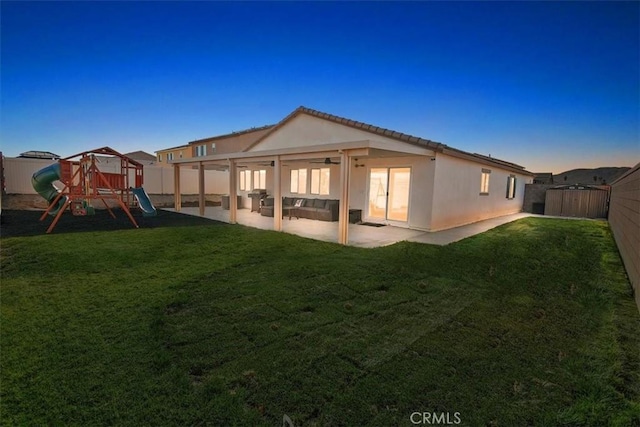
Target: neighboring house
142, 156
173, 153
39, 155
221, 144
390, 177
229, 143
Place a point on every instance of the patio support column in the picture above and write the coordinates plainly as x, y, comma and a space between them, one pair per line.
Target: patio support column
277, 194
177, 196
201, 202
233, 193
343, 212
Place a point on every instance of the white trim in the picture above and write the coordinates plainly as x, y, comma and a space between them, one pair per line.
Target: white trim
365, 211
325, 150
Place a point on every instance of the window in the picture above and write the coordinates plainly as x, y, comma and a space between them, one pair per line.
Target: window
484, 183
160, 157
299, 181
511, 187
260, 179
213, 147
201, 150
169, 156
245, 180
320, 181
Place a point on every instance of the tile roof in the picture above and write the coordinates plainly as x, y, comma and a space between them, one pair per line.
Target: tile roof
359, 125
173, 148
140, 155
230, 135
415, 140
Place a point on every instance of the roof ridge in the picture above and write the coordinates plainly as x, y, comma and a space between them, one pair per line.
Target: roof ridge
234, 133
400, 136
370, 128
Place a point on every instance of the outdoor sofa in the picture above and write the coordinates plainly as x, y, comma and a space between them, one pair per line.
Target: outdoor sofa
318, 209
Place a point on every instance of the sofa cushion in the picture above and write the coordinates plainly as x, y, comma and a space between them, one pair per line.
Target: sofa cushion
268, 201
319, 203
308, 203
288, 201
331, 203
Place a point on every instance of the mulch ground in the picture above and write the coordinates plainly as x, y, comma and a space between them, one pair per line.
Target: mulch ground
17, 223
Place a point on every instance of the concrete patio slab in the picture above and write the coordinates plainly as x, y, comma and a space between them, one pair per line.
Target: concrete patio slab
359, 235
451, 235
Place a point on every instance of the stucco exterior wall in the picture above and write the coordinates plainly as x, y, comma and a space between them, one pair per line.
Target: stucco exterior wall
334, 181
157, 179
308, 131
232, 143
420, 187
183, 152
457, 199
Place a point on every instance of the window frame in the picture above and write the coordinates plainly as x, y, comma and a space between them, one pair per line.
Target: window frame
511, 187
323, 187
261, 180
485, 178
245, 180
299, 181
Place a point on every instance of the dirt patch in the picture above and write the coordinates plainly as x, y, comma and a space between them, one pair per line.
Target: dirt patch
17, 223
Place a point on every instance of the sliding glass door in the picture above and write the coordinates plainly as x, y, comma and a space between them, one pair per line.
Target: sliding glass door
389, 193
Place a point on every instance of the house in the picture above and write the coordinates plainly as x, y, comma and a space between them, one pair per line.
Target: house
165, 156
39, 155
229, 143
221, 144
142, 156
381, 175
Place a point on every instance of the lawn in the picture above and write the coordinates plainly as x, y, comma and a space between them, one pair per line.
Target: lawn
532, 323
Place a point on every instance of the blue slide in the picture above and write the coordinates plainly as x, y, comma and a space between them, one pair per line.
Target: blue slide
144, 202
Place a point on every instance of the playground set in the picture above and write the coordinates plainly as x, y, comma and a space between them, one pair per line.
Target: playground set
84, 183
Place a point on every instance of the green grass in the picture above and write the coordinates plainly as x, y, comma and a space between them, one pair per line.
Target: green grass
532, 323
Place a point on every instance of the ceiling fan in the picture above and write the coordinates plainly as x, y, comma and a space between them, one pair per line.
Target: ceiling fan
327, 161
272, 163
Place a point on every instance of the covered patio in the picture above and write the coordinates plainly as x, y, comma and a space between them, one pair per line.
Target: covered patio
341, 157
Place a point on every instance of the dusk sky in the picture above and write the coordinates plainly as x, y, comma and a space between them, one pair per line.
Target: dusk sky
548, 85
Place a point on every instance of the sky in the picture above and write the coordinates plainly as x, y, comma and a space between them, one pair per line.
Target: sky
550, 85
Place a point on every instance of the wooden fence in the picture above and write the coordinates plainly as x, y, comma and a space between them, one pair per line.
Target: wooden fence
624, 219
575, 201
